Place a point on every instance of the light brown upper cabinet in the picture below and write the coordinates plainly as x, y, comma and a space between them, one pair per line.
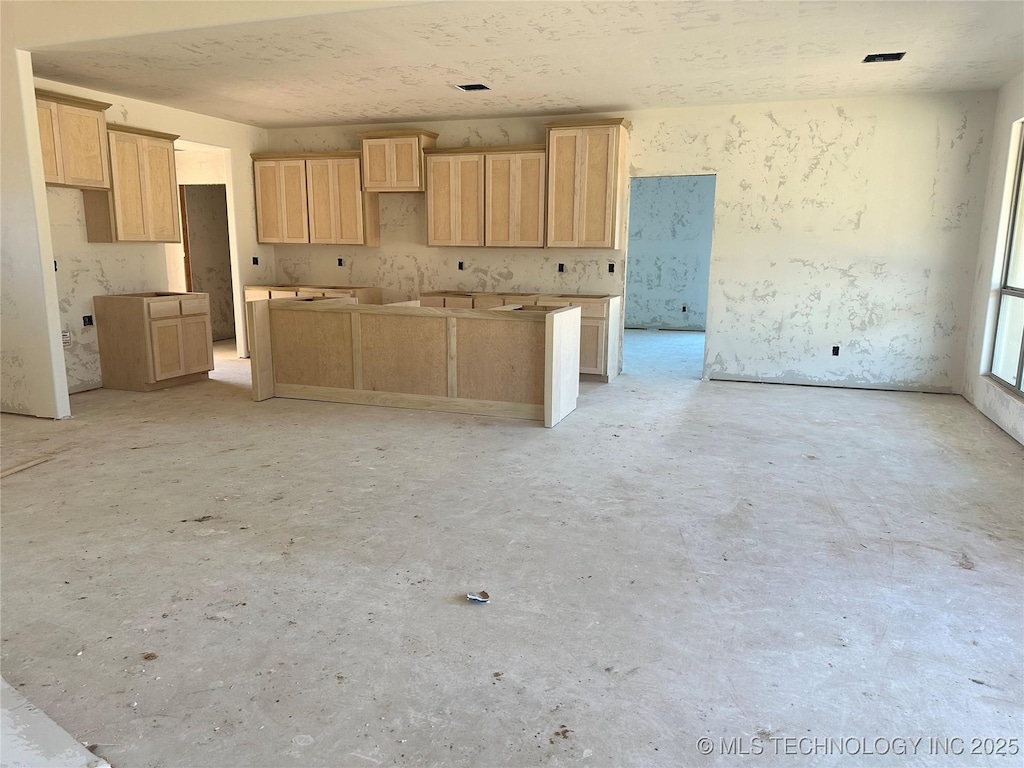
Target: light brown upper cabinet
73, 135
455, 199
143, 202
515, 198
314, 198
586, 184
281, 211
393, 160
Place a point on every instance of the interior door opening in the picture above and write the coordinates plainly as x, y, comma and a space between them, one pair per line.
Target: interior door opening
671, 219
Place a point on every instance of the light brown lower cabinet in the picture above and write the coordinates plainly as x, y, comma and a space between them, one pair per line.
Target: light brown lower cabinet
600, 322
153, 340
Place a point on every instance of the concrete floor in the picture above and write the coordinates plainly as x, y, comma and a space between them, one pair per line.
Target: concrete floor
677, 560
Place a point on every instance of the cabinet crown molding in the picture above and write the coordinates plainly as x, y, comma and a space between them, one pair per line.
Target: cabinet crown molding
142, 132
485, 150
590, 123
341, 153
71, 101
396, 133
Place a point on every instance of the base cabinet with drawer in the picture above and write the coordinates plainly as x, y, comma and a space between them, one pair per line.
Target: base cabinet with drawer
153, 340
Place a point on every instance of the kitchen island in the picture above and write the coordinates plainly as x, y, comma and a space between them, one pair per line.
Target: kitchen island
498, 362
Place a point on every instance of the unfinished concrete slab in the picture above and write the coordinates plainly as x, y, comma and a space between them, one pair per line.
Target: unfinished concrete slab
197, 579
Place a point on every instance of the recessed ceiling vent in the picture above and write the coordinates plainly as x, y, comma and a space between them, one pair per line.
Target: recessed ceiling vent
473, 87
875, 58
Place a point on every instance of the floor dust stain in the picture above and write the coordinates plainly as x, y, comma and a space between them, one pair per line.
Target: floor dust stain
965, 562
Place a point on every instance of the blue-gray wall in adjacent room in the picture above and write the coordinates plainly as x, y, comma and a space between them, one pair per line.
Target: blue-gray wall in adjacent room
670, 223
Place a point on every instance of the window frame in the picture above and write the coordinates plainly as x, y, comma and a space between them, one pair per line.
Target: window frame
1009, 255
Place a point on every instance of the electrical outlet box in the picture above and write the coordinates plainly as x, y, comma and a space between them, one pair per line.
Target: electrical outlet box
835, 351
341, 262
561, 267
86, 320
611, 269
684, 308
462, 265
255, 261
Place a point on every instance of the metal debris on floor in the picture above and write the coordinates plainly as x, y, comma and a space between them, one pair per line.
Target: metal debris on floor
478, 597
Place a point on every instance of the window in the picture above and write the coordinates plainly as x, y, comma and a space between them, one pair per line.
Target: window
1008, 350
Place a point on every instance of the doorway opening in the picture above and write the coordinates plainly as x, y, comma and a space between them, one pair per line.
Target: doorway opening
671, 219
203, 261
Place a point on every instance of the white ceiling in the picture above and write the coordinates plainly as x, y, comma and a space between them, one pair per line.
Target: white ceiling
398, 63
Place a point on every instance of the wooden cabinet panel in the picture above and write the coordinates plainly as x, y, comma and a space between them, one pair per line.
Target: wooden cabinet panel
563, 188
455, 200
406, 158
586, 185
281, 209
268, 202
83, 143
593, 333
127, 166
142, 204
197, 344
393, 160
322, 199
73, 137
168, 348
515, 199
49, 138
335, 200
161, 190
375, 163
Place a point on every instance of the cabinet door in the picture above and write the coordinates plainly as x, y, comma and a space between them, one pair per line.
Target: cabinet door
405, 161
529, 189
128, 171
167, 347
268, 201
161, 191
376, 163
197, 344
564, 146
293, 202
593, 340
455, 200
500, 197
83, 144
49, 139
346, 178
597, 187
322, 200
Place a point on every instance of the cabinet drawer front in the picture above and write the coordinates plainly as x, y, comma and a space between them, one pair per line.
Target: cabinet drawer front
168, 308
198, 306
458, 302
591, 308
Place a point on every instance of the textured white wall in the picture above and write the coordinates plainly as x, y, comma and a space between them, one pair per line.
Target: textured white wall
1004, 408
852, 222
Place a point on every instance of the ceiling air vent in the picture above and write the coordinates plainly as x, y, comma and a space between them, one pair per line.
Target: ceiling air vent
875, 58
473, 87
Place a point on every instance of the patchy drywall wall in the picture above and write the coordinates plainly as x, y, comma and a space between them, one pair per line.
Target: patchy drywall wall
850, 222
88, 269
670, 224
1003, 407
846, 223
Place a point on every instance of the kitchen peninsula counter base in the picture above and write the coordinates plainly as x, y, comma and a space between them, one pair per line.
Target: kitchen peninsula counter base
490, 362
